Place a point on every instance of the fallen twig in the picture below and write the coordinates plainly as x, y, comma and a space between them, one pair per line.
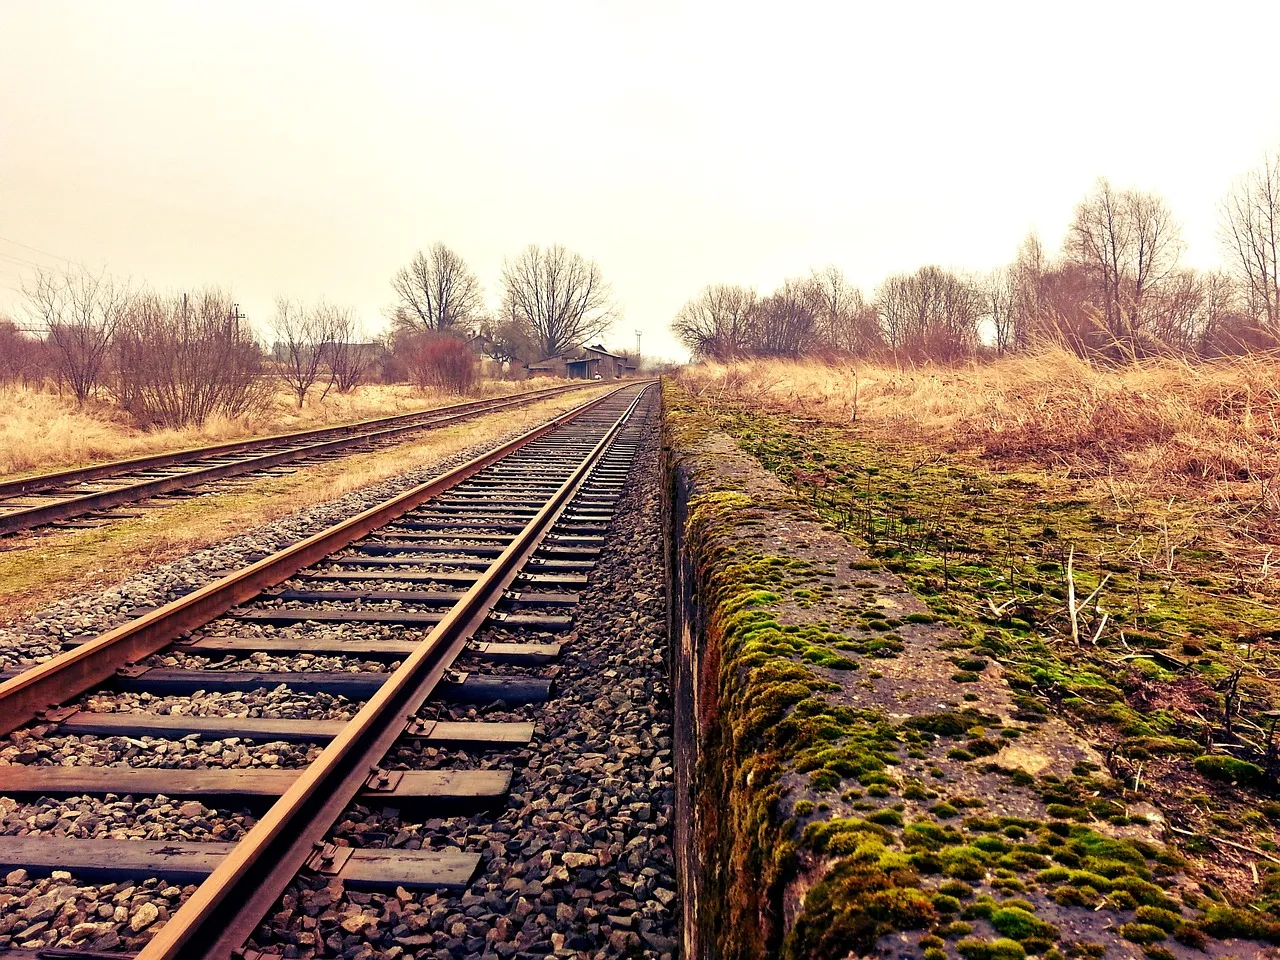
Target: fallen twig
1230, 843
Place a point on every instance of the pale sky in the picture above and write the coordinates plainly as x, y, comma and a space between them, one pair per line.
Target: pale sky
308, 149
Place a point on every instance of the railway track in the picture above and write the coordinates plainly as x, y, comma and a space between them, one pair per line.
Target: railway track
88, 495
350, 671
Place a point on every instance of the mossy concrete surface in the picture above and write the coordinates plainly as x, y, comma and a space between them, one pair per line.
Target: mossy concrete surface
856, 778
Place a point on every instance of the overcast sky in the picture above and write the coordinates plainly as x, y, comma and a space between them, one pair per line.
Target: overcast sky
308, 150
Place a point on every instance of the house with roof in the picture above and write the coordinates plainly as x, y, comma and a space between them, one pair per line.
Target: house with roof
585, 363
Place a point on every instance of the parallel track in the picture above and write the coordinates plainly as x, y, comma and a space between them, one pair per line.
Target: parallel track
67, 495
409, 583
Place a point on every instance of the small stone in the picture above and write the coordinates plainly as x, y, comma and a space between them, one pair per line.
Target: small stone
146, 914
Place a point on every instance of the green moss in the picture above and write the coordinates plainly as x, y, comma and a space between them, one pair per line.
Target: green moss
1166, 920
1226, 922
945, 905
852, 907
777, 719
1230, 770
1020, 924
956, 888
1002, 949
1140, 932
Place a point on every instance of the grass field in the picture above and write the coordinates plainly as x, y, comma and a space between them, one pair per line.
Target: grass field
42, 430
1109, 537
42, 566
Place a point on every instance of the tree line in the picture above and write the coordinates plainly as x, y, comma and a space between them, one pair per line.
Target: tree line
178, 359
1117, 289
553, 300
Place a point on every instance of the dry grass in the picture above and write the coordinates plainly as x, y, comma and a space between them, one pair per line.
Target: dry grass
1202, 422
1145, 437
41, 567
40, 430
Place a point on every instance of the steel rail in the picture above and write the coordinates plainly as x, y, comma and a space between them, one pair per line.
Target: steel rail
76, 671
26, 519
61, 478
228, 906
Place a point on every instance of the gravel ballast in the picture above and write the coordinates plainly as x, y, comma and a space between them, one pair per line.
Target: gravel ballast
578, 863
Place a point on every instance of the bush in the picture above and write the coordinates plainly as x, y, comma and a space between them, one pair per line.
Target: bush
438, 360
181, 360
23, 359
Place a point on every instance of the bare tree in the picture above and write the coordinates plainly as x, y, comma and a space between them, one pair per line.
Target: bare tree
1000, 295
23, 358
716, 324
349, 359
80, 310
437, 291
845, 321
181, 359
1130, 243
785, 322
930, 314
1251, 233
302, 343
559, 297
1030, 282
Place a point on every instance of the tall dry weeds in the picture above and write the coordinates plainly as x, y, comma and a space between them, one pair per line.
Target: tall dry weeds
1205, 431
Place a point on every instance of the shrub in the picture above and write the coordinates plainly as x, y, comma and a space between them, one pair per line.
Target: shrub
438, 360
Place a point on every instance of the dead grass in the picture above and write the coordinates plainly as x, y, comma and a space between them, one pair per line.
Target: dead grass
1199, 422
40, 567
1154, 440
41, 430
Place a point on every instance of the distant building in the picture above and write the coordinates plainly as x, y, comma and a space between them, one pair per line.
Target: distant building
585, 363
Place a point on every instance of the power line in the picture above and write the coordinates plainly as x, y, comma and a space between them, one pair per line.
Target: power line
43, 253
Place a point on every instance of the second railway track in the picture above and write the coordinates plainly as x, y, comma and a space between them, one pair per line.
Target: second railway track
356, 664
84, 494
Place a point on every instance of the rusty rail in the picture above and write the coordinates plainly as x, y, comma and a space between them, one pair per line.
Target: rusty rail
225, 910
24, 697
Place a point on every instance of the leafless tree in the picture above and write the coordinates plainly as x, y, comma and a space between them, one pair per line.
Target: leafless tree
80, 311
716, 324
302, 342
1000, 296
23, 358
182, 359
1251, 234
1130, 242
558, 296
930, 314
348, 358
1029, 279
845, 321
437, 291
784, 323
